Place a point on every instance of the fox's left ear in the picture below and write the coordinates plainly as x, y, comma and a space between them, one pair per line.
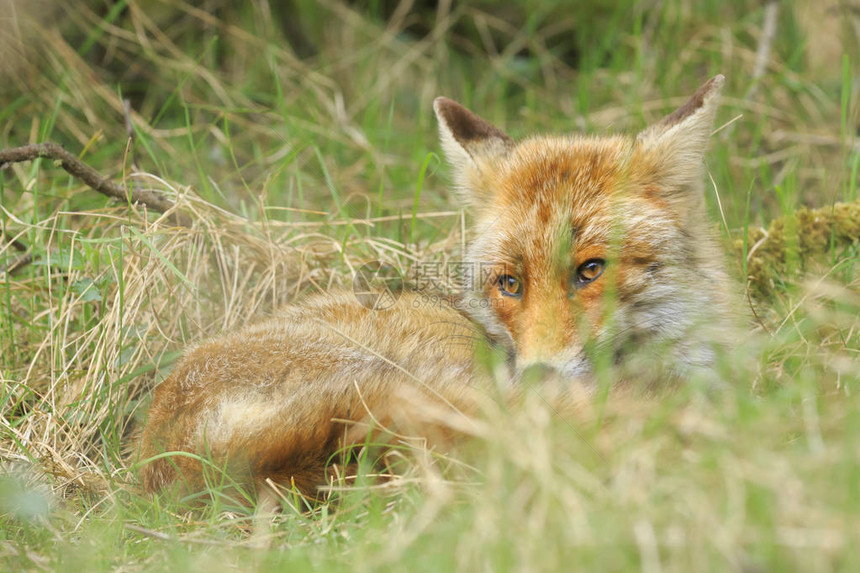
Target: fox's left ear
680, 139
471, 144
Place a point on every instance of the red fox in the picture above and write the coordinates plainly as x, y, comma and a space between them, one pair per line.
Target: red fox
580, 245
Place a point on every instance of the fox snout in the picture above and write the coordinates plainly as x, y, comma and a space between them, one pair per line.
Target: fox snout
552, 337
545, 336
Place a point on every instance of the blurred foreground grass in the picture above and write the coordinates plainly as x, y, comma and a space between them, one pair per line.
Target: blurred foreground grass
301, 139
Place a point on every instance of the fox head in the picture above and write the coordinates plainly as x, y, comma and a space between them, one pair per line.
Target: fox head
586, 243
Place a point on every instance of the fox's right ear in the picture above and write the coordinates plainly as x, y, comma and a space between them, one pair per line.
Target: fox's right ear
680, 139
470, 142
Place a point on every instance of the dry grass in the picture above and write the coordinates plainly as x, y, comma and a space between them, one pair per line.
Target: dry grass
296, 171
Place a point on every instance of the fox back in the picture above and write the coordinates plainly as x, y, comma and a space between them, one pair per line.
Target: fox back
580, 247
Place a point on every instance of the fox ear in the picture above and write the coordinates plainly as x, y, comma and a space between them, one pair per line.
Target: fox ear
679, 140
469, 141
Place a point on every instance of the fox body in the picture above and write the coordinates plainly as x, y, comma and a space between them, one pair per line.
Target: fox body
265, 399
580, 245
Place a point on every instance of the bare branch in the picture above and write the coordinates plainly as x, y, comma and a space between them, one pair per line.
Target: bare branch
90, 176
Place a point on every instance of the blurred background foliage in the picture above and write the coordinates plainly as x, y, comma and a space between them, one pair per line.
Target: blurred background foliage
279, 79
300, 137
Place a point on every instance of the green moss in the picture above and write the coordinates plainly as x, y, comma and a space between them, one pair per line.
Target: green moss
795, 244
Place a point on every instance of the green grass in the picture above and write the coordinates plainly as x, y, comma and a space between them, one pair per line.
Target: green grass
297, 171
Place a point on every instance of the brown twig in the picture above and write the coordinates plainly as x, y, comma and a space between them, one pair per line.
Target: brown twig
90, 176
756, 316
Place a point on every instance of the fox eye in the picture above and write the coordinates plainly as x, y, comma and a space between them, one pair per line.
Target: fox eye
589, 271
510, 286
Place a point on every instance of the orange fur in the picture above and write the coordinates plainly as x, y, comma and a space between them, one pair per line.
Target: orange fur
547, 205
277, 399
264, 399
